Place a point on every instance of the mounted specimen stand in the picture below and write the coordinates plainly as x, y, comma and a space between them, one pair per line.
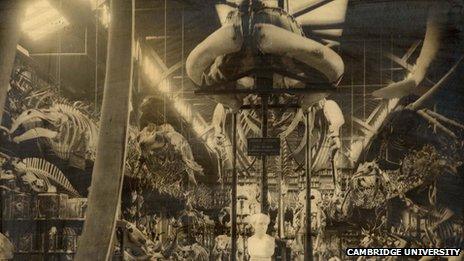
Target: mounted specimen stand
262, 51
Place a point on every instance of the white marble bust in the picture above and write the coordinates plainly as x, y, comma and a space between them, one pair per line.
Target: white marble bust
260, 245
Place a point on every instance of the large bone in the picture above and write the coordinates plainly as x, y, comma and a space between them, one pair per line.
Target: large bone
334, 116
275, 40
36, 133
227, 39
427, 54
419, 103
97, 239
296, 119
31, 115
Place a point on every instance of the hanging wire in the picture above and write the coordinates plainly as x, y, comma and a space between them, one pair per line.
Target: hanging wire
380, 59
182, 67
391, 66
364, 80
59, 56
96, 57
165, 56
352, 96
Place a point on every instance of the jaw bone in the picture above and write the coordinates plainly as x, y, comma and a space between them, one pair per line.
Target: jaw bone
275, 40
30, 119
35, 133
31, 116
228, 39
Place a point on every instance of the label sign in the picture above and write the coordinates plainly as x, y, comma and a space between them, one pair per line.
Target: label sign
263, 146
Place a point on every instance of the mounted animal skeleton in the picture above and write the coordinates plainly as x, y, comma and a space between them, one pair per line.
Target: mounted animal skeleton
71, 133
231, 53
256, 39
160, 158
371, 187
165, 149
65, 127
326, 120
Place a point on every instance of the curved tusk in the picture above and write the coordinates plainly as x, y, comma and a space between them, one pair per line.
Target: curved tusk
227, 39
275, 40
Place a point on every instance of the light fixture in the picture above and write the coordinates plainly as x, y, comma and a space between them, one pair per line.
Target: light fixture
165, 86
151, 70
183, 109
154, 69
198, 126
105, 16
42, 19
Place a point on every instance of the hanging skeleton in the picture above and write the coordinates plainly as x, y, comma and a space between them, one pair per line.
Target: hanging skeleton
230, 53
47, 172
436, 24
164, 148
235, 52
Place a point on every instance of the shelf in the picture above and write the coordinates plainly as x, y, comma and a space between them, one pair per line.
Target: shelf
44, 220
42, 252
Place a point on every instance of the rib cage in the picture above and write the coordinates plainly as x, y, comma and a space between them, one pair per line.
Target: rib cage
72, 131
48, 171
443, 230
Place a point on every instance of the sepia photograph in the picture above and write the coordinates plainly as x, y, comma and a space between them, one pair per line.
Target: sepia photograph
232, 130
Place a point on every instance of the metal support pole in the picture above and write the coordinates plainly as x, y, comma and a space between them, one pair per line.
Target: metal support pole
11, 13
308, 256
264, 179
335, 178
233, 230
97, 240
280, 208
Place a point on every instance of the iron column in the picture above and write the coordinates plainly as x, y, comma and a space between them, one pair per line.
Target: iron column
233, 230
97, 240
308, 242
264, 180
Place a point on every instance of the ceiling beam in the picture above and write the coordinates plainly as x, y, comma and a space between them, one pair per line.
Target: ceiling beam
364, 125
77, 12
311, 7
